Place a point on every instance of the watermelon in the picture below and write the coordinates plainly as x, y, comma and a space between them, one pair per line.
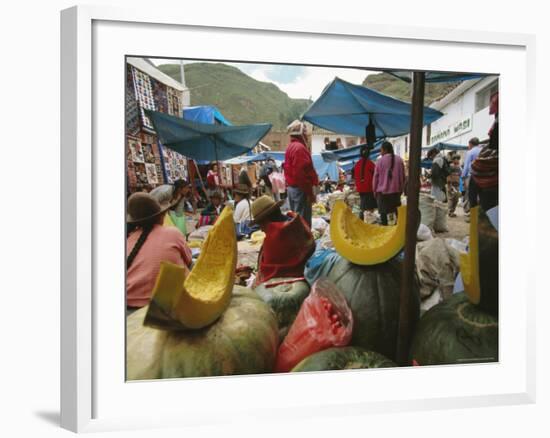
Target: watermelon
343, 358
285, 300
243, 340
455, 331
372, 292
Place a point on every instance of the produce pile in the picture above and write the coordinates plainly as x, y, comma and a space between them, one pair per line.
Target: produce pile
342, 314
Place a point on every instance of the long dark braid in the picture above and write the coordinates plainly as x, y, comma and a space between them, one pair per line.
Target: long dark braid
388, 147
146, 230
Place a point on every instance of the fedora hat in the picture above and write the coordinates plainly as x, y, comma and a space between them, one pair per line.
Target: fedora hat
263, 207
142, 207
242, 189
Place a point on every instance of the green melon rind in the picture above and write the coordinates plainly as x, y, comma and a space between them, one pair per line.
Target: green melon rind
285, 300
455, 331
243, 340
372, 292
343, 358
488, 264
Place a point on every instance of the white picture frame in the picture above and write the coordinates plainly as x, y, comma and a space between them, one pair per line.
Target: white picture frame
93, 397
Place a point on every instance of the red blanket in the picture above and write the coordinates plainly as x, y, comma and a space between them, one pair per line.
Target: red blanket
286, 249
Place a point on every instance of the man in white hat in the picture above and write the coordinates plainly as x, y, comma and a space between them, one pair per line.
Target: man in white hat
300, 174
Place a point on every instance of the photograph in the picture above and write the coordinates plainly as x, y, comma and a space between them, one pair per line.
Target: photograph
286, 218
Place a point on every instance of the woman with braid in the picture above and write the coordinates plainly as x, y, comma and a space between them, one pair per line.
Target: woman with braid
148, 244
388, 183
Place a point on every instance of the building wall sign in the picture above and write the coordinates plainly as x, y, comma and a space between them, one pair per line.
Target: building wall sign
458, 128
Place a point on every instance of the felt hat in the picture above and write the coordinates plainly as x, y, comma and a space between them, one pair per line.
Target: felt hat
297, 128
263, 207
241, 189
142, 207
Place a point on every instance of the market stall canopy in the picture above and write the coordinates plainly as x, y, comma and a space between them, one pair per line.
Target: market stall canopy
208, 114
426, 163
322, 167
437, 76
347, 108
201, 141
446, 147
351, 153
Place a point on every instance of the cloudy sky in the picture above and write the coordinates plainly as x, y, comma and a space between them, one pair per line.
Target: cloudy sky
296, 81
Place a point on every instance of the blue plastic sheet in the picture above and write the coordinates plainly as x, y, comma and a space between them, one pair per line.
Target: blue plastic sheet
348, 109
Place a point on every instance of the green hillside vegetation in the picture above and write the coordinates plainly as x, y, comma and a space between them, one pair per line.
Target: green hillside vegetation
390, 85
240, 98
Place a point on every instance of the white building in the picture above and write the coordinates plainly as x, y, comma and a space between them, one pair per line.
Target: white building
466, 115
318, 139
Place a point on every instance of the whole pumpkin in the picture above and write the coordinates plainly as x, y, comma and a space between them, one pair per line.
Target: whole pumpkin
343, 358
372, 292
243, 340
455, 331
285, 299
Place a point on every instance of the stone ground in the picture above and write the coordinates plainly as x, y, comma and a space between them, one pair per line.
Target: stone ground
458, 227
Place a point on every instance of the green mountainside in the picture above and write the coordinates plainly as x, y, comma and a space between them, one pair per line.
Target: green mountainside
243, 100
240, 98
390, 85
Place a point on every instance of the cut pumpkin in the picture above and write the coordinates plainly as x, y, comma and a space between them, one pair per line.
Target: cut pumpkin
197, 299
362, 243
479, 266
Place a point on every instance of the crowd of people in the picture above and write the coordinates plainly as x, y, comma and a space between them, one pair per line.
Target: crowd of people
288, 241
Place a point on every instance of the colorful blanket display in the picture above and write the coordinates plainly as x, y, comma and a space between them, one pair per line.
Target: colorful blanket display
144, 94
160, 96
175, 165
146, 168
132, 110
175, 105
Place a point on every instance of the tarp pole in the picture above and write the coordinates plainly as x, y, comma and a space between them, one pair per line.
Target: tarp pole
191, 171
413, 189
200, 179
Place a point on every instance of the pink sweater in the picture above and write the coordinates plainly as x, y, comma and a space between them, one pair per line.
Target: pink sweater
162, 244
381, 183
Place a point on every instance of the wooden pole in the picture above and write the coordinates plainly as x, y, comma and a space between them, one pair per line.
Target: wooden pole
200, 179
413, 189
191, 171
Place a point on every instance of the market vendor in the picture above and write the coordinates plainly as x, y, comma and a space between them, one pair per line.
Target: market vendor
288, 242
242, 215
175, 194
213, 179
148, 244
212, 210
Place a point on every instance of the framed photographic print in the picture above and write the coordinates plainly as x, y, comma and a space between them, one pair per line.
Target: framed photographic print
394, 126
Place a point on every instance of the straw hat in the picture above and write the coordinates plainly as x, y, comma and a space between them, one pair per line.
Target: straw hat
241, 189
142, 207
263, 207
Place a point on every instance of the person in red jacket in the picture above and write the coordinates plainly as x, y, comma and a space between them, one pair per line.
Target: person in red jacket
300, 175
364, 173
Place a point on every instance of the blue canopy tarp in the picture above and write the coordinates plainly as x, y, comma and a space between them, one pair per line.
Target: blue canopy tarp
446, 147
347, 108
426, 163
322, 168
351, 153
437, 76
207, 114
325, 169
201, 141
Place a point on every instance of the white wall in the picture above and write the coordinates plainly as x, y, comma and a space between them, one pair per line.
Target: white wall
460, 108
456, 110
